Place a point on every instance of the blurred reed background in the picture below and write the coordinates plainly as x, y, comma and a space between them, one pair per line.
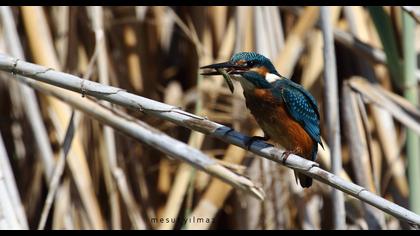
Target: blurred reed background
111, 181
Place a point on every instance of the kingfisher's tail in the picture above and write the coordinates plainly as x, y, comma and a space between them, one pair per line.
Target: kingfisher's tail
304, 180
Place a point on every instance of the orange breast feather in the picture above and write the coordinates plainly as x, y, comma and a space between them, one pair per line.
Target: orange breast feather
279, 125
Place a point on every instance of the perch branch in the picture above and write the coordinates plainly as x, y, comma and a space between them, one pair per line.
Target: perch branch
201, 124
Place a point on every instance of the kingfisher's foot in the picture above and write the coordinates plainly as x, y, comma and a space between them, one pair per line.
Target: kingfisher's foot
285, 155
253, 139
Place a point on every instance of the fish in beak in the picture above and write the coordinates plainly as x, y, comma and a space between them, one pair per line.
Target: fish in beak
226, 69
228, 66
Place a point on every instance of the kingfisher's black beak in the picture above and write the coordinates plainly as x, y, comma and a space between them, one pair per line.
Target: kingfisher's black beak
230, 67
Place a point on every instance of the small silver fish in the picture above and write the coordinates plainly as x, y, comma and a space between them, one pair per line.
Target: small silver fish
227, 78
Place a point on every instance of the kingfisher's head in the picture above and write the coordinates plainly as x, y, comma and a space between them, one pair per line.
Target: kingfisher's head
253, 70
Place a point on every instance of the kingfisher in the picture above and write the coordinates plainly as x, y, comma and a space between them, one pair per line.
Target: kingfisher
285, 111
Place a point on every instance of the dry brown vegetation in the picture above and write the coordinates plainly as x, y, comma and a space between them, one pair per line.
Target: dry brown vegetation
112, 181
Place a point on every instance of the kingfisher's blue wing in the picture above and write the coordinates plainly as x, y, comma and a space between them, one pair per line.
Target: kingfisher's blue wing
301, 106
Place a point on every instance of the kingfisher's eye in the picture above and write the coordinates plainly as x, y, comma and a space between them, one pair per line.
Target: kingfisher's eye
249, 63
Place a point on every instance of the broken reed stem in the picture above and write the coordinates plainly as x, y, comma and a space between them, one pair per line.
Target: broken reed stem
332, 113
200, 124
147, 134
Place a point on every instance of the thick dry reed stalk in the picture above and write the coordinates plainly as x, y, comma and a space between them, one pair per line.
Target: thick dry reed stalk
61, 17
133, 59
218, 16
313, 67
244, 30
332, 114
201, 124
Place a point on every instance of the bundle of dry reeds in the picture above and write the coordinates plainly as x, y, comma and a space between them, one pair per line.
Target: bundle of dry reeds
71, 161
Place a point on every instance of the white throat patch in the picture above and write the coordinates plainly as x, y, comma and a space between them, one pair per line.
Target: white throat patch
271, 77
